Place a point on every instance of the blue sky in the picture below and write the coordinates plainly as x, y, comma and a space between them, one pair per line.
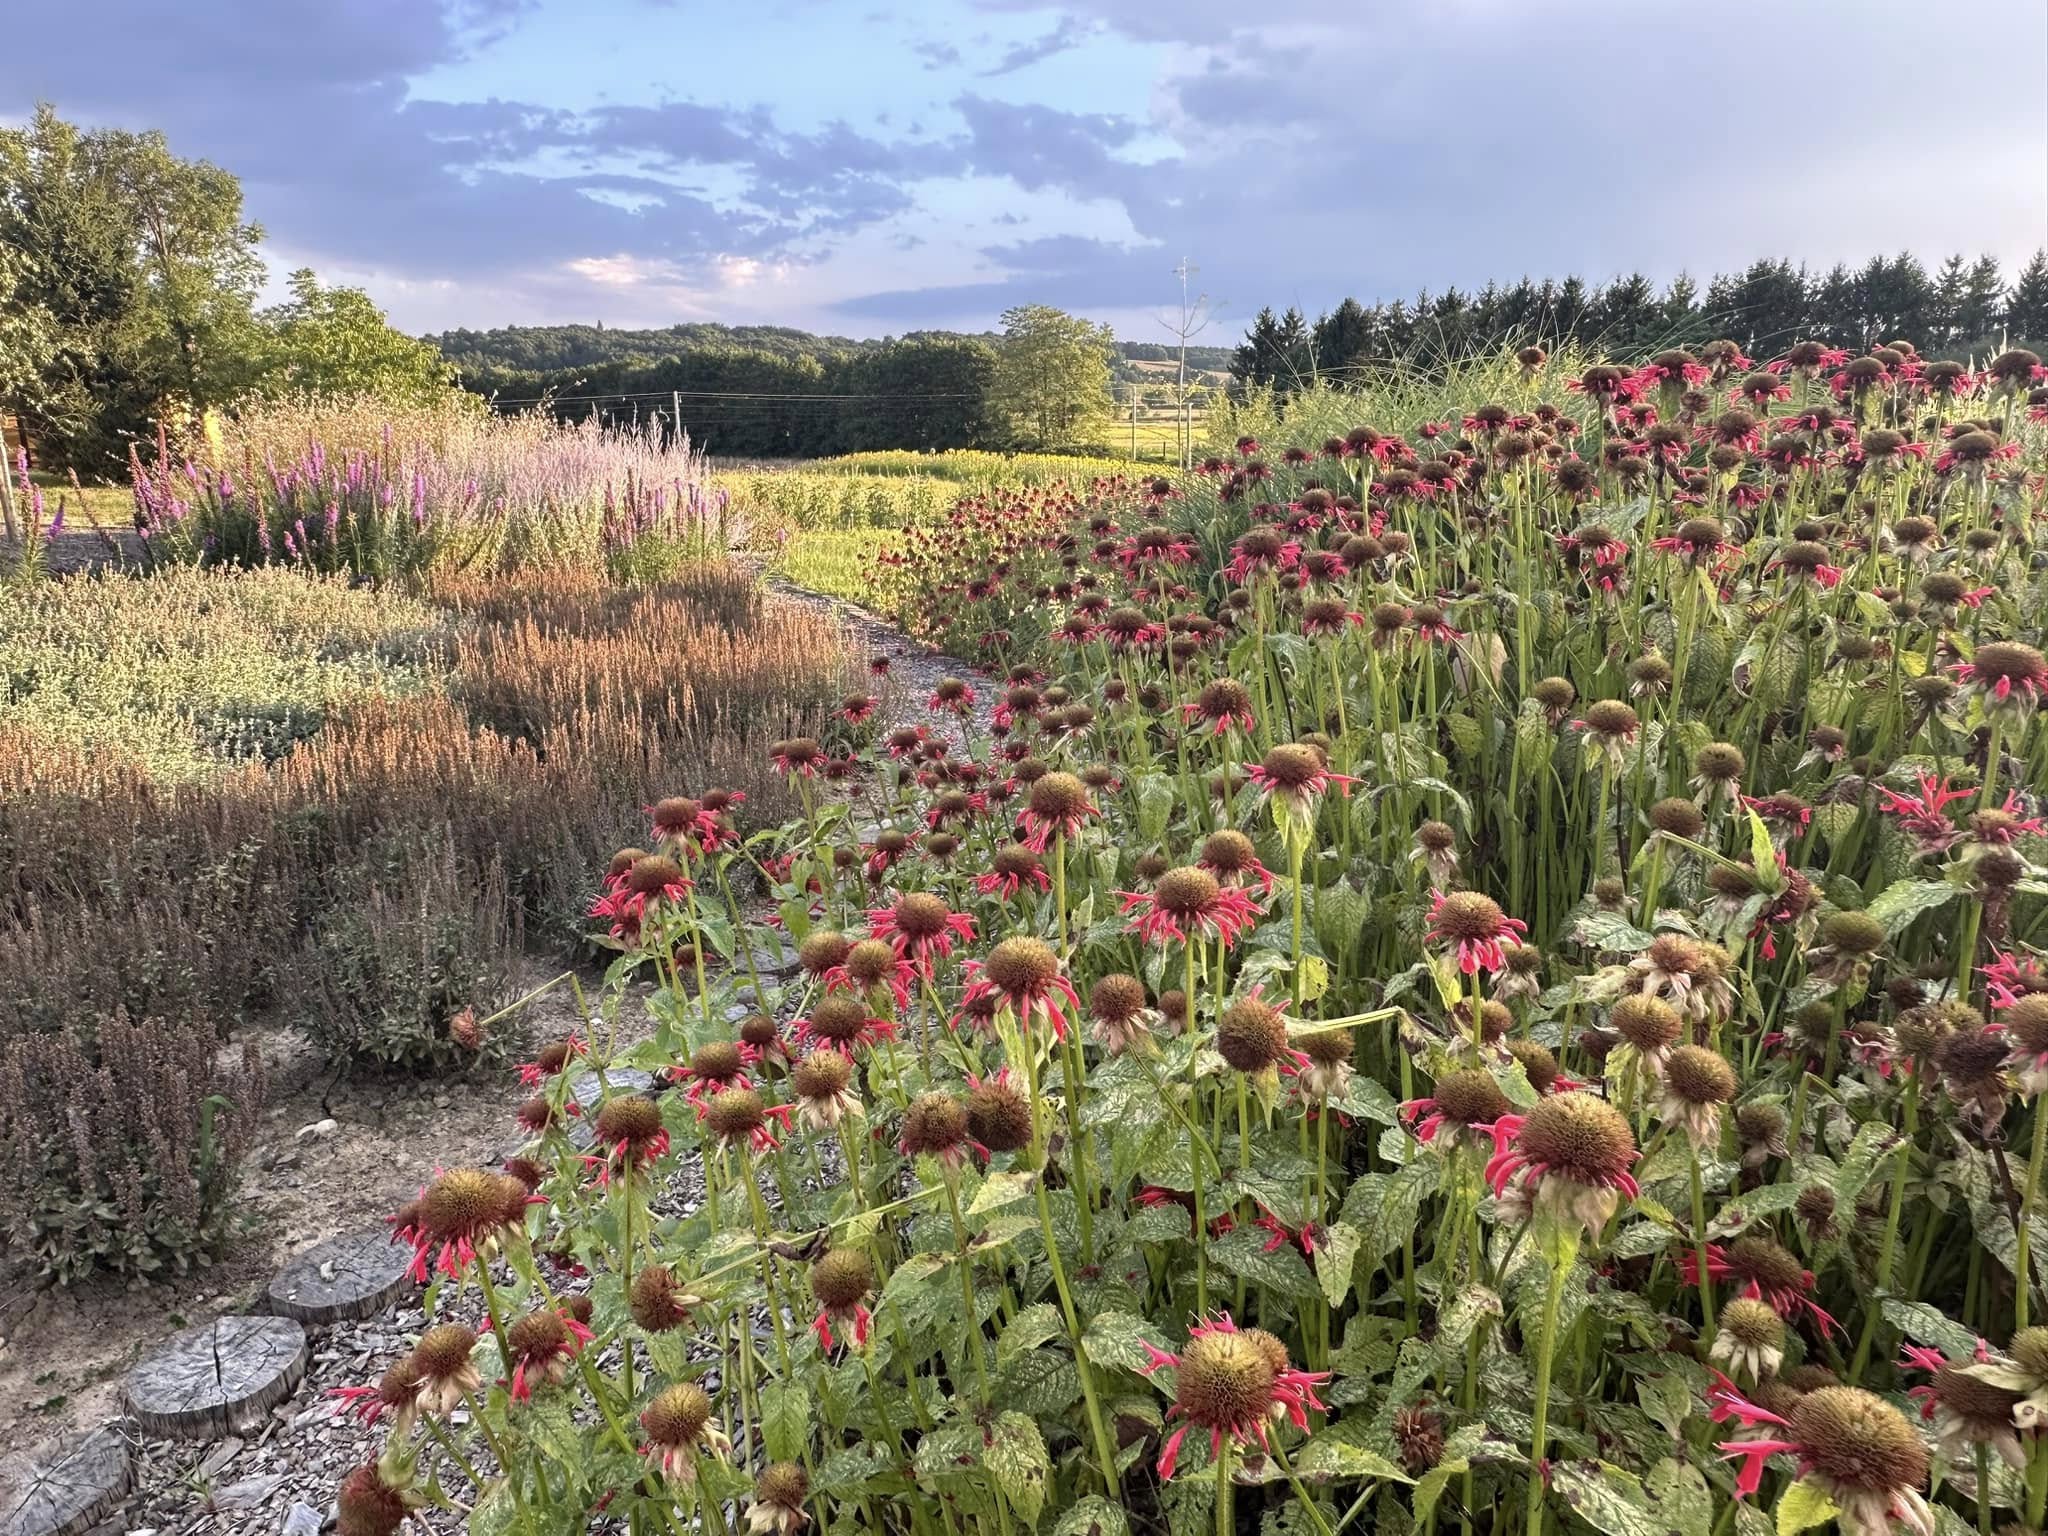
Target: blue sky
876, 166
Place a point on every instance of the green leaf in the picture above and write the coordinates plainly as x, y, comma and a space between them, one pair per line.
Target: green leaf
1118, 1338
1680, 1498
1040, 1381
1242, 1252
1804, 1505
785, 1420
1926, 1325
846, 1473
1336, 1255
1000, 1189
1028, 1329
1467, 1309
1433, 1483
1162, 1223
1763, 853
1900, 902
1016, 1454
546, 1421
1329, 1456
1094, 1516
1610, 932
1606, 1498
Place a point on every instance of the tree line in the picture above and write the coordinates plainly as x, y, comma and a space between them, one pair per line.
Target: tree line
769, 392
1964, 307
129, 283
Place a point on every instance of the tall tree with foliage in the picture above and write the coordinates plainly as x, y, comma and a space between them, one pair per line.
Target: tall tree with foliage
336, 341
1052, 375
2026, 307
141, 269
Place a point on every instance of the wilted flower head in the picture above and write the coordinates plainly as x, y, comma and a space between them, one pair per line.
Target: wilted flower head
463, 1215
1571, 1155
1751, 1339
680, 1423
1189, 902
841, 1280
779, 1495
1857, 1447
1234, 1383
1474, 929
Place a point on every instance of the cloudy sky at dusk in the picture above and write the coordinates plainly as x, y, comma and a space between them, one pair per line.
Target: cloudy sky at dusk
874, 166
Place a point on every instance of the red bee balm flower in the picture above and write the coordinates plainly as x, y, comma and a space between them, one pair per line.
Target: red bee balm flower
1232, 1382
1765, 1271
1023, 974
920, 928
842, 1280
1475, 928
463, 1213
1571, 1154
542, 1344
1057, 803
1853, 1444
1190, 901
1010, 871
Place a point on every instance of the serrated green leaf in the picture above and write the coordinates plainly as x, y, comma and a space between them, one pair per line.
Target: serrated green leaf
1000, 1189
1040, 1381
1606, 1498
1242, 1251
1336, 1255
1903, 900
1028, 1329
1802, 1506
1015, 1453
1119, 1339
1093, 1516
1331, 1457
785, 1420
1927, 1325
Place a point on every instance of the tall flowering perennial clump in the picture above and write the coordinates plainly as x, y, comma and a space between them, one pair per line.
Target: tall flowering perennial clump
1257, 1068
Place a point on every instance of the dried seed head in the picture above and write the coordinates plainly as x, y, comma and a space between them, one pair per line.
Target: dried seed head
1648, 1023
1539, 1063
623, 861
1858, 1440
1815, 1209
1762, 1123
1228, 852
537, 1336
1770, 1266
735, 1114
1116, 999
1016, 862
1679, 817
554, 1056
443, 1351
1225, 696
1022, 966
2029, 1350
1698, 1076
1173, 1007
1418, 1433
1972, 1058
1753, 1323
998, 1116
758, 1031
783, 1484
677, 1416
1467, 917
1186, 892
1058, 797
1471, 1097
1293, 766
839, 1019
1225, 1381
1329, 1047
367, 1506
871, 961
1610, 718
467, 1203
1252, 1035
1719, 762
527, 1172
821, 1075
632, 1118
656, 1301
716, 1061
841, 1278
821, 950
935, 1123
1554, 693
1920, 1031
1151, 866
652, 874
1853, 933
2026, 1021
1579, 1136
921, 915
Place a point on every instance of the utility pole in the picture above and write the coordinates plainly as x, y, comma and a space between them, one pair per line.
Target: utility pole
1134, 421
675, 398
1193, 318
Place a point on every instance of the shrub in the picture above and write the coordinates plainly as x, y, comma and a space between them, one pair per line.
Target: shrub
120, 1151
410, 938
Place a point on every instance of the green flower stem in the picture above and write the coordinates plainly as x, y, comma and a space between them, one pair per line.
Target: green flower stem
1546, 1350
1308, 1504
970, 1323
2023, 1277
1226, 1515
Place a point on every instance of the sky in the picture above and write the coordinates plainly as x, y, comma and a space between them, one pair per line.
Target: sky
868, 167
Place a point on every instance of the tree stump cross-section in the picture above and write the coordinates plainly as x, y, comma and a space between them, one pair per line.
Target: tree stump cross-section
354, 1275
70, 1488
211, 1379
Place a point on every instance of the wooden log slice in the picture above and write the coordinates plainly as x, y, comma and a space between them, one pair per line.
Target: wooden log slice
71, 1484
208, 1380
355, 1275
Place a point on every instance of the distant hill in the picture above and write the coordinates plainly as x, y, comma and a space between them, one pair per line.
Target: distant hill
536, 349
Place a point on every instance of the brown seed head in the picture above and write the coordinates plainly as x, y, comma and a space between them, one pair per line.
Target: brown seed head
1228, 852
1186, 892
783, 1484
998, 1116
821, 950
1225, 1381
1580, 1137
1469, 1097
1293, 765
632, 1118
656, 1301
1853, 933
1647, 1023
1252, 1035
1469, 917
841, 1278
1858, 1440
653, 873
934, 1123
367, 1507
677, 1416
735, 1113
1021, 967
871, 960
1058, 796
1697, 1076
